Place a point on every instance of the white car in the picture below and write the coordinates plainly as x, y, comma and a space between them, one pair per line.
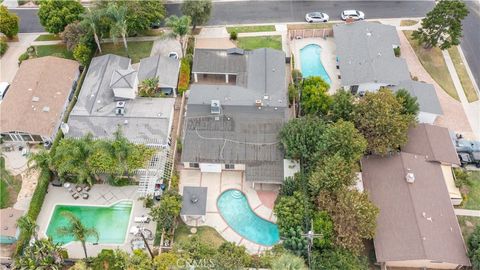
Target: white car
316, 17
354, 14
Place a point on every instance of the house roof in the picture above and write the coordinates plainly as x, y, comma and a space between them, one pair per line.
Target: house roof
164, 68
37, 97
241, 135
145, 120
365, 53
416, 220
123, 78
194, 202
9, 217
431, 141
425, 94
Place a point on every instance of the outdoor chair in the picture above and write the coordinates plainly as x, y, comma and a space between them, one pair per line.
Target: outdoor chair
85, 196
75, 196
79, 188
87, 188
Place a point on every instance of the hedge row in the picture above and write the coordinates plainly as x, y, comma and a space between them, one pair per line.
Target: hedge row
184, 77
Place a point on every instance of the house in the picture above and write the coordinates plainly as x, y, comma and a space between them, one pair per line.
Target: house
108, 101
33, 108
194, 203
417, 226
365, 56
164, 68
235, 111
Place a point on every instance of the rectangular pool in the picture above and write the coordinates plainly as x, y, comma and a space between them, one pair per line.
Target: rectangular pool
111, 222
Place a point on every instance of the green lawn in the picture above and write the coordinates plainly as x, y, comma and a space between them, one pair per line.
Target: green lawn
433, 61
408, 22
47, 37
463, 75
136, 49
251, 43
252, 28
59, 50
309, 26
472, 198
207, 235
467, 225
9, 186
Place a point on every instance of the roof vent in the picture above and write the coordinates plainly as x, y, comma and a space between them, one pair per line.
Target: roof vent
410, 177
265, 97
46, 109
258, 103
215, 107
35, 99
120, 104
120, 111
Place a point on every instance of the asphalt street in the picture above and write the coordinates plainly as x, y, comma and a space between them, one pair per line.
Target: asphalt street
471, 38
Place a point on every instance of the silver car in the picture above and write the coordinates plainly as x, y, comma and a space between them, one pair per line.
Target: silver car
316, 17
353, 14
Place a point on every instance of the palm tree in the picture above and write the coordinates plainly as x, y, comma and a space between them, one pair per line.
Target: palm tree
77, 230
122, 149
41, 255
28, 225
41, 160
91, 19
180, 27
119, 26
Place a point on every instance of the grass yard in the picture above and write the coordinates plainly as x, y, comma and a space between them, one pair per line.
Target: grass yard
47, 37
467, 225
9, 186
136, 49
432, 60
207, 235
408, 22
472, 197
251, 43
309, 26
252, 28
467, 84
59, 50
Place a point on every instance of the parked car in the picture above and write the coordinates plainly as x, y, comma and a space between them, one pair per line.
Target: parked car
354, 14
3, 89
173, 55
468, 152
316, 17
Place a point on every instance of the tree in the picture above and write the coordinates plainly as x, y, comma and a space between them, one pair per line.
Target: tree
148, 87
110, 259
118, 28
138, 260
353, 215
314, 99
198, 10
338, 259
230, 256
55, 15
72, 34
195, 249
442, 27
288, 261
76, 229
378, 116
294, 240
91, 19
474, 248
342, 106
82, 54
323, 225
28, 225
409, 103
180, 27
344, 139
165, 260
42, 254
332, 173
40, 160
301, 139
8, 22
80, 265
292, 211
167, 210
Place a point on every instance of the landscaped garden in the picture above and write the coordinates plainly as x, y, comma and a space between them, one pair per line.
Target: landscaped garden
252, 43
469, 184
136, 49
59, 50
206, 234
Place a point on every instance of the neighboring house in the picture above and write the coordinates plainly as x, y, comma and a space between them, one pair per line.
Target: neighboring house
166, 69
234, 114
417, 226
33, 108
108, 101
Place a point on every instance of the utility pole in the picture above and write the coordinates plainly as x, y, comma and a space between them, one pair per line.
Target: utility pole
310, 235
145, 241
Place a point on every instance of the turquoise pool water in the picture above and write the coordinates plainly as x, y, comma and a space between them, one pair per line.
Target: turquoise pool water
110, 222
311, 63
236, 211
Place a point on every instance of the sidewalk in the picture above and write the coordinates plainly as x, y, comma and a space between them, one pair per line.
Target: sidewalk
466, 212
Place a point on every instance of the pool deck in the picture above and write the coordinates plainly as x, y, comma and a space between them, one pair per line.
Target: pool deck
261, 202
328, 57
100, 195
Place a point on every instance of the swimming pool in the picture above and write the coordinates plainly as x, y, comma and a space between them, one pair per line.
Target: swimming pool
312, 64
236, 211
111, 222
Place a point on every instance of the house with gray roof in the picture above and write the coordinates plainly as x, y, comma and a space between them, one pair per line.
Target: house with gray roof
235, 110
108, 102
164, 68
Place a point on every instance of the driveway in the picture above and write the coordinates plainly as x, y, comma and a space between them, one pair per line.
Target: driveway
166, 45
9, 61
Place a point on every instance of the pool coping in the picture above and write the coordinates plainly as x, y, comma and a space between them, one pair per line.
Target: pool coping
300, 62
94, 205
253, 210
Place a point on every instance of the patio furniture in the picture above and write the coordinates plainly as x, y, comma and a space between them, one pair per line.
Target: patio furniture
87, 188
71, 190
56, 183
142, 219
85, 196
79, 188
75, 195
134, 230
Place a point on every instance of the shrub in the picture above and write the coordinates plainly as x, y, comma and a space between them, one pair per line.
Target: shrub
8, 22
396, 50
296, 76
190, 45
24, 56
174, 181
184, 78
148, 87
3, 47
292, 93
82, 54
233, 35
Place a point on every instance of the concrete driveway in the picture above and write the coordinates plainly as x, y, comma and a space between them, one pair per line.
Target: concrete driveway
9, 61
166, 45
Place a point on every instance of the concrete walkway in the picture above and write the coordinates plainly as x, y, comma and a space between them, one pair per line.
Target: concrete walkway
466, 212
472, 110
47, 42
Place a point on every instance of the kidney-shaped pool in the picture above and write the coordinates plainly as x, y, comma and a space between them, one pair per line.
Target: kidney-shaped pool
236, 211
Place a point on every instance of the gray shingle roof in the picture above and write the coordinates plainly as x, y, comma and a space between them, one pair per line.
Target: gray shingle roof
123, 78
194, 202
425, 94
365, 53
165, 68
146, 120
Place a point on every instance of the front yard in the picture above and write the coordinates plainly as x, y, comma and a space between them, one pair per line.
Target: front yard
251, 43
136, 49
59, 50
467, 84
471, 191
252, 28
467, 225
205, 233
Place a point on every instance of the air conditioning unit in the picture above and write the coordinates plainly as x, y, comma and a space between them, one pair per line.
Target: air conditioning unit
119, 111
215, 107
120, 104
258, 103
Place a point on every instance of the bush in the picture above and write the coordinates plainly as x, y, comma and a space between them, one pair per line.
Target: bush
24, 56
174, 181
184, 78
190, 45
296, 76
293, 93
233, 35
179, 145
82, 54
8, 22
396, 50
3, 47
